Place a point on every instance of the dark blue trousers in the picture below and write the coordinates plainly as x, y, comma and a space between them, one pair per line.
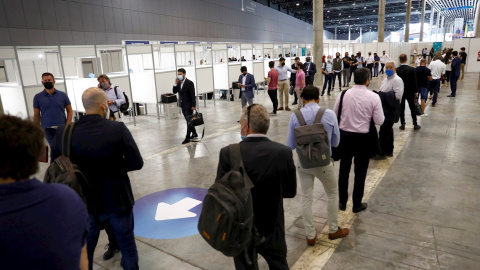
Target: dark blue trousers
434, 85
121, 225
453, 84
49, 135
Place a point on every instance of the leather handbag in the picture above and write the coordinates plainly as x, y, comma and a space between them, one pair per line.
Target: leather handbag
418, 108
337, 151
195, 119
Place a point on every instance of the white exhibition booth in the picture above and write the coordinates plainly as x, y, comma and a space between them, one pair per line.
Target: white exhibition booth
146, 71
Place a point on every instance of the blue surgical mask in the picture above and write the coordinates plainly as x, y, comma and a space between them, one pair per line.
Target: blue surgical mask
389, 72
180, 77
105, 86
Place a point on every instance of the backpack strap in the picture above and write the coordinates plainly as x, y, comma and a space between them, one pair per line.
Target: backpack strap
67, 139
236, 163
115, 89
300, 118
340, 106
320, 113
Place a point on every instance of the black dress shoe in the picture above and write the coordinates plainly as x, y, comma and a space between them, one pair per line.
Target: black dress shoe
186, 141
360, 208
194, 135
294, 103
111, 251
379, 157
342, 207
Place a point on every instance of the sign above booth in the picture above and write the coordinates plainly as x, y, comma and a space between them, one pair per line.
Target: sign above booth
137, 42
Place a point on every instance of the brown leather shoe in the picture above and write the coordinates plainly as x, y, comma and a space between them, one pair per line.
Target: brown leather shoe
280, 109
339, 234
311, 242
287, 109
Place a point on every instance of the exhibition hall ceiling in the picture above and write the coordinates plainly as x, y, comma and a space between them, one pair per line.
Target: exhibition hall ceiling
364, 13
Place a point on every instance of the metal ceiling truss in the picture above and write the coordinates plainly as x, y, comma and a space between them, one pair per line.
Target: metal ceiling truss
364, 13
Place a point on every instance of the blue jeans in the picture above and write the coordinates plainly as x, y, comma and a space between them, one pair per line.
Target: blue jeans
121, 225
49, 135
423, 92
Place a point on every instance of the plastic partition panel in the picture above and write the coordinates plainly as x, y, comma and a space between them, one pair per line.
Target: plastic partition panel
205, 80
79, 86
69, 67
233, 73
473, 49
359, 47
249, 65
266, 68
68, 51
258, 71
165, 81
370, 47
7, 53
191, 75
221, 76
143, 87
12, 100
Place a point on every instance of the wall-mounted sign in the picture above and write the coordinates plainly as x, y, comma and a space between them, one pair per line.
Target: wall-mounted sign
168, 42
251, 7
137, 42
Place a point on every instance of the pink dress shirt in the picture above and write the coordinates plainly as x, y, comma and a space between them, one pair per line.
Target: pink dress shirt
358, 108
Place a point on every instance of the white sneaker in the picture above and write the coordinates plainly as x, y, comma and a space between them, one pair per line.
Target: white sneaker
424, 115
273, 114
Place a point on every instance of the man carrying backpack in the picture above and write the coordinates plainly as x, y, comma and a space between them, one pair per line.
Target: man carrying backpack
105, 151
312, 131
273, 180
115, 95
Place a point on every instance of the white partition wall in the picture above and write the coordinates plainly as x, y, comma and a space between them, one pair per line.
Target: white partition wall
33, 62
234, 51
204, 72
185, 57
234, 72
370, 47
359, 47
268, 50
220, 67
277, 50
12, 97
247, 50
165, 68
112, 61
258, 63
473, 65
141, 73
81, 71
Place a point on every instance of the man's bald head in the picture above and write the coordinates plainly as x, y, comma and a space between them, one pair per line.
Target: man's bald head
94, 101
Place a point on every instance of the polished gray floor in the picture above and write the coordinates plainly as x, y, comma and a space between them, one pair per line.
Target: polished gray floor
423, 214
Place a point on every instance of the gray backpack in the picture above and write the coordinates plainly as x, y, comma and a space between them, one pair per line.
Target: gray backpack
227, 221
312, 142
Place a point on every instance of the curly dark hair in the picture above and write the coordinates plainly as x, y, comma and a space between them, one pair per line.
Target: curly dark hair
21, 142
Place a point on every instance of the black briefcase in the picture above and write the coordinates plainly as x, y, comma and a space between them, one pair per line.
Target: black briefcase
196, 119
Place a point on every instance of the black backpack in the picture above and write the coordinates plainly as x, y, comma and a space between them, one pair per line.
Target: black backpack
227, 221
123, 107
63, 171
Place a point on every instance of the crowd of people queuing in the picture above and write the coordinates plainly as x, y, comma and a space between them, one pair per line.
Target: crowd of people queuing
66, 239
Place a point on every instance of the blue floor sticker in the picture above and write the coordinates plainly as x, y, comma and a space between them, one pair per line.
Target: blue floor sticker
169, 214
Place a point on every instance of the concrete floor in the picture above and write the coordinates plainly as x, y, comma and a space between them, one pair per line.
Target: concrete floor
422, 202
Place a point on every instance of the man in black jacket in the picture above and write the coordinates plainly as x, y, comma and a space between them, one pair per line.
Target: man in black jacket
105, 151
293, 80
310, 69
274, 180
410, 92
186, 90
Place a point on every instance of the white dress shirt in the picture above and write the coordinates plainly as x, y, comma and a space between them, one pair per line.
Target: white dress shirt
384, 59
438, 68
393, 83
370, 59
243, 82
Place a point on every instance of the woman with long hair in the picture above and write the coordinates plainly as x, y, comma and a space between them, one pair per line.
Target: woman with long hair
447, 60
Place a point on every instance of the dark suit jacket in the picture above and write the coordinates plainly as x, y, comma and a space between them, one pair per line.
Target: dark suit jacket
186, 94
105, 151
250, 84
456, 64
312, 70
293, 78
409, 77
271, 168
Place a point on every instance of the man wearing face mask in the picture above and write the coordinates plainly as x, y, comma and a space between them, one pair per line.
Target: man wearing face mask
347, 61
283, 84
410, 93
49, 107
327, 70
370, 61
105, 151
392, 83
115, 95
186, 92
360, 61
337, 70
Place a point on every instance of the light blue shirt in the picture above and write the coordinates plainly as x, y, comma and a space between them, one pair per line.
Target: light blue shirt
119, 98
309, 112
283, 72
